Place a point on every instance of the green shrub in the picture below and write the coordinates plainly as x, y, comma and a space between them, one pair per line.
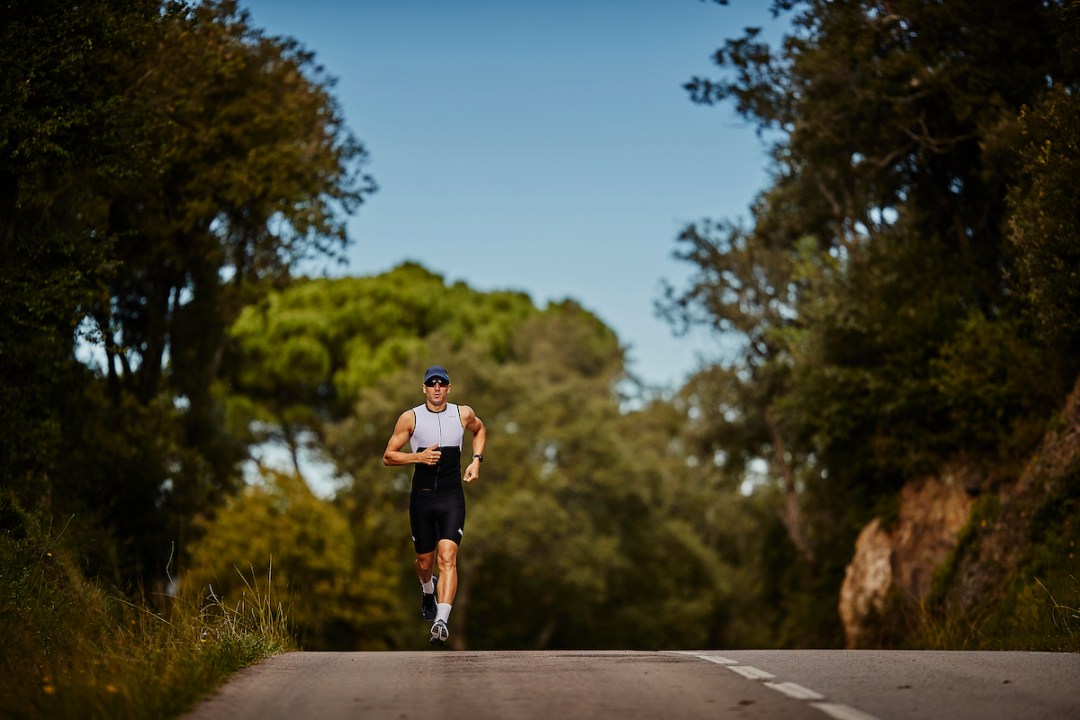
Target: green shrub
1038, 605
74, 649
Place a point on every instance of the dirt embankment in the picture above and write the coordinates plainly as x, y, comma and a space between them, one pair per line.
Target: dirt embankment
939, 528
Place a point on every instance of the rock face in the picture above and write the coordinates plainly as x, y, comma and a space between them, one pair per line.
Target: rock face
867, 582
998, 542
898, 563
894, 563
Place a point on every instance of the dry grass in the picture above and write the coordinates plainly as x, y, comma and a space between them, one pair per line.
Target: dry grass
72, 649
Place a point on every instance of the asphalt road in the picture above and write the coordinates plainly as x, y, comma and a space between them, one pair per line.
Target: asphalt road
789, 684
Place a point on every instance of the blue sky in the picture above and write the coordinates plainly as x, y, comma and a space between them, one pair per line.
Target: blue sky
543, 146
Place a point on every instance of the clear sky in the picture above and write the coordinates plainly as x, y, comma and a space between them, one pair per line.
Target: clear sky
545, 146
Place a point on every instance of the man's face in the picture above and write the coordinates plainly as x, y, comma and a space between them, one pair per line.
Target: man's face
436, 389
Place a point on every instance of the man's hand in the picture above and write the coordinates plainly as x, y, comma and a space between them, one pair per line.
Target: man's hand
429, 456
472, 472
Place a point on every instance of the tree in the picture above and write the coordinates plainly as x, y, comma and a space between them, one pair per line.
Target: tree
578, 500
277, 533
874, 271
1045, 215
253, 165
301, 355
63, 93
168, 163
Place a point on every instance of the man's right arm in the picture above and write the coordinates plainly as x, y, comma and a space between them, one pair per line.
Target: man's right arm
402, 432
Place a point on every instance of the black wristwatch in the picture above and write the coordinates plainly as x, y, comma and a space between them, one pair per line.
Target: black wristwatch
478, 457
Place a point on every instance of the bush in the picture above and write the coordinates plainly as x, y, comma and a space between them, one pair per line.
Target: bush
74, 649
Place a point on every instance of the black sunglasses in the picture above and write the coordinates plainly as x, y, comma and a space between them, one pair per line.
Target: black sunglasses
435, 382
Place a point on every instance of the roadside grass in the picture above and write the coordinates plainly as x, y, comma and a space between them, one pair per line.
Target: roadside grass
73, 649
1037, 607
1030, 618
1040, 605
1063, 621
1034, 606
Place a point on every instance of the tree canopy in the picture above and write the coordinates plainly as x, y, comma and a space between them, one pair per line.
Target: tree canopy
161, 165
905, 295
887, 287
577, 501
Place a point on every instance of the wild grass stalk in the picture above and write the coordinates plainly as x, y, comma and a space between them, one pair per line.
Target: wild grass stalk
1063, 621
1029, 617
72, 649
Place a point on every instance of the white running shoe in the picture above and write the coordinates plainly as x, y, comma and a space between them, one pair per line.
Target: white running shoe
439, 633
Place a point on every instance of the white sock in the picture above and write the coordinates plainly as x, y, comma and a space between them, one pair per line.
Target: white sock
442, 612
429, 586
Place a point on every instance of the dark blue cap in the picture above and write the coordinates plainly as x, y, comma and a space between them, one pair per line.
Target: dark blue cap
437, 371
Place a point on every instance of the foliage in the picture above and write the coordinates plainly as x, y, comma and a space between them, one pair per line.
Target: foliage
1036, 605
61, 90
1045, 220
74, 649
162, 163
904, 294
989, 376
333, 599
577, 500
302, 355
870, 298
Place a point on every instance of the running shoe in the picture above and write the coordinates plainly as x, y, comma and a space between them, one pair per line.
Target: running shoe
427, 602
439, 633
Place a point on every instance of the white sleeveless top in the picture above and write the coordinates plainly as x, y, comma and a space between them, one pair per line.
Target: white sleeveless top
441, 428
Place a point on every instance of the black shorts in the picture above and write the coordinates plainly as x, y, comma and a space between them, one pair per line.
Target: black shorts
434, 516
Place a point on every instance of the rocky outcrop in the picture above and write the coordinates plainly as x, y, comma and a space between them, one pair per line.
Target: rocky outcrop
896, 564
999, 541
867, 583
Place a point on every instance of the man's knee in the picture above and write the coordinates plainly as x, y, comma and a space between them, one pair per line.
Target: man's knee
447, 553
425, 561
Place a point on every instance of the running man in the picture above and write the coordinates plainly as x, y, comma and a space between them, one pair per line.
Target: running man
434, 431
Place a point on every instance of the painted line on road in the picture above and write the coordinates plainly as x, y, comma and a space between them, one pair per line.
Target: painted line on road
711, 658
795, 690
837, 711
719, 660
750, 672
842, 712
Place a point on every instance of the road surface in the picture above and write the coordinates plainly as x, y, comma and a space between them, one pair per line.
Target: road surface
789, 684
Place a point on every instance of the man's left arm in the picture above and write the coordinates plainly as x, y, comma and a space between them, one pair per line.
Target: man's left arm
475, 425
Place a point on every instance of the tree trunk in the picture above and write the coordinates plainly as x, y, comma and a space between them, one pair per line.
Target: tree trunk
792, 516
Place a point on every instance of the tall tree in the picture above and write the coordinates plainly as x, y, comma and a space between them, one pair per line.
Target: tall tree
583, 509
248, 166
63, 105
169, 162
871, 283
1045, 221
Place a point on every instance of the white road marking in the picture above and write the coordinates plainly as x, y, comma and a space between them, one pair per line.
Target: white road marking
719, 660
795, 690
837, 711
711, 658
842, 712
751, 672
